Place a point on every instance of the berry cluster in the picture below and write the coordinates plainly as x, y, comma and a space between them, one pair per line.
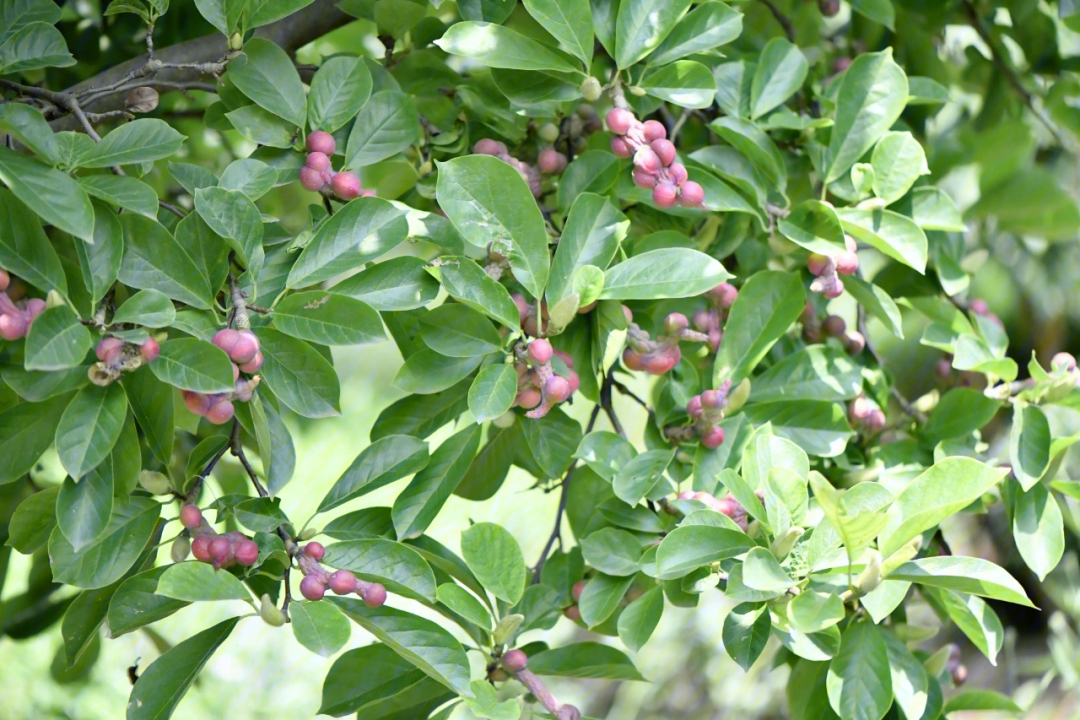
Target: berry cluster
539, 388
116, 356
657, 356
707, 411
318, 175
828, 269
572, 611
317, 579
221, 551
531, 175
866, 415
655, 167
711, 320
242, 347
815, 331
726, 505
15, 319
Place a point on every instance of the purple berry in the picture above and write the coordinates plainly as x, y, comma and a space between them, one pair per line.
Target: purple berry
343, 582
556, 389
200, 548
691, 194
320, 141
312, 588
374, 596
311, 179
551, 161
540, 351
315, 550
190, 516
318, 161
346, 185
515, 660
693, 408
247, 553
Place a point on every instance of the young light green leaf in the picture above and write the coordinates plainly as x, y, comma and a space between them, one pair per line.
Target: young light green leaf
891, 233
746, 630
464, 604
685, 83
898, 161
964, 574
687, 548
1029, 444
467, 282
671, 273
813, 225
1037, 526
859, 681
569, 21
495, 558
811, 612
612, 551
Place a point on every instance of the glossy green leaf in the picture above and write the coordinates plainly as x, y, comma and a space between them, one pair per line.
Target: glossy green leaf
494, 556
320, 627
339, 89
584, 660
642, 25
149, 308
458, 331
384, 461
55, 197
569, 21
422, 499
154, 259
25, 250
964, 574
493, 392
859, 682
57, 340
1029, 445
123, 191
375, 679
746, 630
814, 225
300, 377
139, 141
399, 567
707, 26
891, 233
766, 307
898, 161
104, 563
266, 74
684, 82
195, 365
1037, 527
781, 71
198, 581
689, 547
396, 284
675, 272
500, 47
329, 319
385, 126
464, 604
83, 509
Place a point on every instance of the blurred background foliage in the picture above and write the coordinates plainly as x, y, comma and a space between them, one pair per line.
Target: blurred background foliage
1007, 159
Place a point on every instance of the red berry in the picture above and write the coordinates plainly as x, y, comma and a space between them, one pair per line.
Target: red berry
343, 582
254, 364
311, 179
150, 350
109, 350
196, 402
691, 194
619, 120
577, 589
847, 263
620, 147
219, 549
200, 547
693, 408
320, 141
346, 185
247, 553
713, 437
190, 516
530, 398
663, 362
374, 596
312, 588
556, 389
575, 382
13, 327
540, 351
318, 161
515, 660
315, 550
632, 360
220, 412
664, 195
653, 130
711, 399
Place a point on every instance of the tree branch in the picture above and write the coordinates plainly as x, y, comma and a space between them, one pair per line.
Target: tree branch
781, 18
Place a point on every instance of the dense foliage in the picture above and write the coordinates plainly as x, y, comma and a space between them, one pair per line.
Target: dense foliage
743, 217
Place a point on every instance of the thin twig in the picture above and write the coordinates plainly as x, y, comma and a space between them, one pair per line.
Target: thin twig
609, 409
173, 209
193, 494
902, 401
237, 447
288, 596
781, 18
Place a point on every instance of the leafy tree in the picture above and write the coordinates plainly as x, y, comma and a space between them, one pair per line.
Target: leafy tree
726, 213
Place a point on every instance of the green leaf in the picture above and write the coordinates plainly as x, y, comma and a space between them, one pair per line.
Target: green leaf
427, 372
361, 231
981, 700
814, 225
594, 171
612, 551
746, 631
33, 46
233, 216
960, 412
963, 574
762, 572
195, 365
399, 567
106, 561
375, 679
685, 83
466, 282
602, 596
813, 373
807, 698
139, 141
33, 520
637, 477
458, 331
298, 375
898, 161
877, 302
819, 428
872, 95
339, 89
605, 452
198, 581
262, 126
35, 385
909, 679
811, 612
780, 72
708, 26
1037, 526
490, 203
592, 234
89, 428
1029, 444
55, 197
399, 283
767, 305
249, 176
670, 273
932, 209
386, 125
328, 319
320, 627
25, 250
27, 125
26, 432
497, 46
418, 640
856, 514
552, 440
493, 392
642, 25
1029, 202
153, 259
569, 21
421, 415
261, 514
891, 233
161, 687
974, 617
422, 499
640, 618
938, 493
387, 459
136, 603
859, 682
149, 308
584, 660
151, 403
689, 547
756, 145
57, 340
265, 73
464, 604
495, 558
123, 191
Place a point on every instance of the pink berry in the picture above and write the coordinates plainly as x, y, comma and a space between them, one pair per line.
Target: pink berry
150, 350
197, 402
315, 550
318, 161
854, 342
713, 437
860, 409
575, 382
190, 516
244, 349
725, 294
487, 146
515, 660
226, 339
627, 314
34, 307
109, 350
632, 359
678, 172
841, 64
550, 161
665, 195
346, 185
979, 307
653, 130
686, 495
849, 243
620, 147
664, 150
675, 323
530, 398
374, 596
219, 549
343, 582
200, 547
818, 264
644, 180
711, 399
663, 362
5, 280
540, 351
254, 364
646, 160
834, 326
320, 141
235, 372
312, 588
311, 179
565, 357
577, 589
834, 291
573, 613
13, 327
847, 263
556, 389
691, 194
247, 553
220, 412
1064, 361
876, 421
693, 408
619, 120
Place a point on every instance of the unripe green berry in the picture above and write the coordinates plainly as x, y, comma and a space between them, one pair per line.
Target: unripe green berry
549, 132
591, 89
